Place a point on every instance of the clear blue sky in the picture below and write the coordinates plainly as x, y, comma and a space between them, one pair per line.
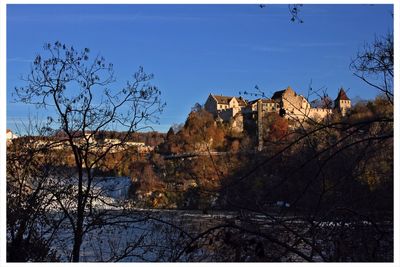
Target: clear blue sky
194, 50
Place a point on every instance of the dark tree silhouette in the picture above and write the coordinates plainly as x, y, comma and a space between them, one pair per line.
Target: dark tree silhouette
374, 65
29, 202
77, 87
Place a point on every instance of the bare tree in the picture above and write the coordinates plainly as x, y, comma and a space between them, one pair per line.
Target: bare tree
30, 224
294, 11
337, 175
76, 87
374, 65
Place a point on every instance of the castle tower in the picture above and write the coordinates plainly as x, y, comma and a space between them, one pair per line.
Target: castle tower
342, 102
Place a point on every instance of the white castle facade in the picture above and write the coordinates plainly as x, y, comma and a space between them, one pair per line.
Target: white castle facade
285, 102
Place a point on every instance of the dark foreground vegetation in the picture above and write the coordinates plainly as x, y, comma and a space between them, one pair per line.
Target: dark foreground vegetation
323, 192
317, 191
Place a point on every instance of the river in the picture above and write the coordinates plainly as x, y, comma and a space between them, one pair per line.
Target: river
171, 235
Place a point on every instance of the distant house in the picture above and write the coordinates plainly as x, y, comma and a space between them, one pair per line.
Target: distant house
136, 144
109, 141
10, 136
140, 146
119, 145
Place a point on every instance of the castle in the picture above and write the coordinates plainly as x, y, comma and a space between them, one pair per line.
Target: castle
285, 102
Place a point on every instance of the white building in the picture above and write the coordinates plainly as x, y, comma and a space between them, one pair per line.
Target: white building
225, 107
10, 136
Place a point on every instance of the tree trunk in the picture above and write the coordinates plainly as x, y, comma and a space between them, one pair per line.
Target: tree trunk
78, 235
77, 244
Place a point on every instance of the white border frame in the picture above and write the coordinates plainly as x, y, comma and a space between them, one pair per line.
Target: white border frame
3, 88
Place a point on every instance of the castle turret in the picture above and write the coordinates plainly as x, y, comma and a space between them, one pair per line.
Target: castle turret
342, 102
